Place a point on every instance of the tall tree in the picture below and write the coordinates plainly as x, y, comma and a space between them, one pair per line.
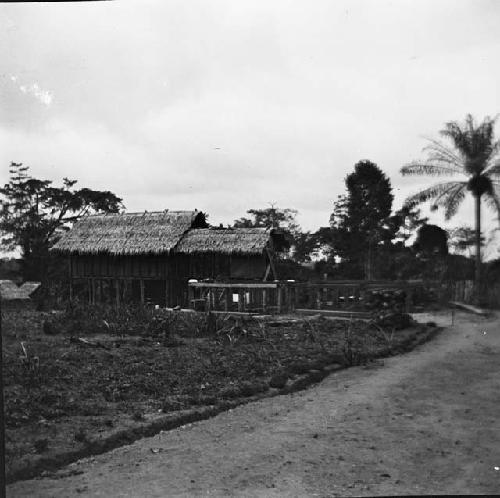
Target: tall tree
271, 217
284, 219
474, 153
33, 213
361, 219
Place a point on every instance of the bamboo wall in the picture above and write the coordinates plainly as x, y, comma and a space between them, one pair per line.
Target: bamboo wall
161, 280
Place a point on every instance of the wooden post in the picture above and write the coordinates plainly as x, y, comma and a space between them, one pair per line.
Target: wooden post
279, 305
241, 300
141, 287
318, 298
89, 290
264, 300
409, 299
117, 289
191, 295
70, 279
228, 303
208, 301
310, 296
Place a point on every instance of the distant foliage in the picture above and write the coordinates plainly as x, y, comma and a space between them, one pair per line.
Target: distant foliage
303, 244
431, 241
361, 221
33, 214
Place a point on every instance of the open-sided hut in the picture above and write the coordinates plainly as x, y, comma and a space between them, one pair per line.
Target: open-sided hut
150, 257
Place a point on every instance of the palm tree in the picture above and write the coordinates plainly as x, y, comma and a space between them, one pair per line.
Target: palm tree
475, 154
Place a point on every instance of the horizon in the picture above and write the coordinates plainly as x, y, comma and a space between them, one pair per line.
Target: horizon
233, 106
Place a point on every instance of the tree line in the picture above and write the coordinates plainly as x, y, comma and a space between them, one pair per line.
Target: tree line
365, 237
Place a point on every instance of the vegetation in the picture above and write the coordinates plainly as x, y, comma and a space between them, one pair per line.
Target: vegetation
87, 378
475, 154
33, 213
361, 220
303, 243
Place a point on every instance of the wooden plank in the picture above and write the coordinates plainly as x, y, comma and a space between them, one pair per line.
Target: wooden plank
335, 313
141, 287
228, 304
117, 287
271, 263
241, 301
208, 300
266, 275
233, 285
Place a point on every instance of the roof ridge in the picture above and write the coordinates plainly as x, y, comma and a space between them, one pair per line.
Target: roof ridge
137, 213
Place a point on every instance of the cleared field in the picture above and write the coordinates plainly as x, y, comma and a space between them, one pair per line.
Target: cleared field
66, 391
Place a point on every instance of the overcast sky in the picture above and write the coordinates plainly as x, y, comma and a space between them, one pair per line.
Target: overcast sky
229, 105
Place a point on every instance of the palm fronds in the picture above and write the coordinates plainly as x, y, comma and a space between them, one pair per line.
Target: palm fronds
437, 152
435, 192
475, 143
493, 170
493, 198
425, 168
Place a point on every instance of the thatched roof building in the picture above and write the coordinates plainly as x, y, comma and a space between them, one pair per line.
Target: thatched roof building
242, 241
128, 234
153, 255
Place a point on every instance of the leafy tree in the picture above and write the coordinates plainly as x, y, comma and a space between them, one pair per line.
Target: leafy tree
361, 222
33, 214
271, 217
474, 153
432, 240
462, 238
284, 219
406, 221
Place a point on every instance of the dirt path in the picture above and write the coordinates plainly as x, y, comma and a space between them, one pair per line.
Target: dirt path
426, 422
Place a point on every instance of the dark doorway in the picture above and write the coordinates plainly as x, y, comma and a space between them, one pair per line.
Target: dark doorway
154, 292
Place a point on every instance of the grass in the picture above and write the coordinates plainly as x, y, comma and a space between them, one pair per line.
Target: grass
62, 393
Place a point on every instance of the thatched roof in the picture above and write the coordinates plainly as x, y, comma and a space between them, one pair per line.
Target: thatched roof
129, 233
246, 241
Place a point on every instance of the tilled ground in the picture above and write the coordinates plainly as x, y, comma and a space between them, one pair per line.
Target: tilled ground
421, 423
65, 396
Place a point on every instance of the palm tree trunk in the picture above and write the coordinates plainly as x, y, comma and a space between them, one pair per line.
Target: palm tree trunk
477, 279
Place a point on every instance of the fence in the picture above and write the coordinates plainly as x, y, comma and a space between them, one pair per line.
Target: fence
463, 291
285, 297
276, 297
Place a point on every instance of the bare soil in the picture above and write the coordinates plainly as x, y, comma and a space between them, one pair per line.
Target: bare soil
421, 423
67, 398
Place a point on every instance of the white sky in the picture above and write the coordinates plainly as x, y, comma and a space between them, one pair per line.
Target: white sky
228, 105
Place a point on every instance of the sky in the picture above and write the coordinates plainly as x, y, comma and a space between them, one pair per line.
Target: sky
225, 106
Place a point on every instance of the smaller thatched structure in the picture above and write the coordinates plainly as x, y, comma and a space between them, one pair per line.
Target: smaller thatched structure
229, 241
17, 297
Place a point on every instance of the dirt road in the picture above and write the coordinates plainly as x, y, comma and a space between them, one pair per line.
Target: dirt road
425, 422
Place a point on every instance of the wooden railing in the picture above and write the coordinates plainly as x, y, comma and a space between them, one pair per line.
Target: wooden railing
286, 296
275, 297
349, 294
